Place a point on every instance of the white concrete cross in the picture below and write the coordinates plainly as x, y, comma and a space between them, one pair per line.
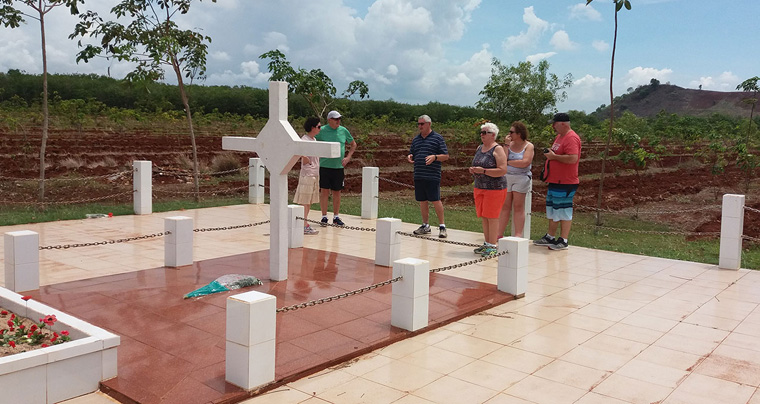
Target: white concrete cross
279, 147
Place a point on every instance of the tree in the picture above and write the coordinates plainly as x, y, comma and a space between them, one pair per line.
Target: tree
13, 17
313, 85
619, 4
747, 160
525, 91
151, 40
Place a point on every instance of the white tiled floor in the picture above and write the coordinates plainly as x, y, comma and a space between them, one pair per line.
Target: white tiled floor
594, 326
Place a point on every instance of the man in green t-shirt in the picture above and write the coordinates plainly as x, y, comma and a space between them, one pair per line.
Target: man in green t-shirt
331, 170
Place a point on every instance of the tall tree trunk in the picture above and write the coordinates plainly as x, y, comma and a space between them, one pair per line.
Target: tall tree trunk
45, 115
748, 177
609, 131
186, 103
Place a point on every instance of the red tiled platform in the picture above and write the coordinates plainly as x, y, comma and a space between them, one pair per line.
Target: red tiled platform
172, 350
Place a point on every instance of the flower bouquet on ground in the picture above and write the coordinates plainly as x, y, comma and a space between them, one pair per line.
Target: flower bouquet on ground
19, 334
225, 283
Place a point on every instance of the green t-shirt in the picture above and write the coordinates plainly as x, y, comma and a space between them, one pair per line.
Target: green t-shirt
340, 135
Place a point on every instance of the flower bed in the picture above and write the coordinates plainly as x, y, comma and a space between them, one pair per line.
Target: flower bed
19, 334
59, 371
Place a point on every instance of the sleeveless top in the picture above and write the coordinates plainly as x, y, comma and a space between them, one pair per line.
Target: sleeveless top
518, 156
487, 160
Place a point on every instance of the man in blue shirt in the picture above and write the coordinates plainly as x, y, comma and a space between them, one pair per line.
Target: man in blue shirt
427, 152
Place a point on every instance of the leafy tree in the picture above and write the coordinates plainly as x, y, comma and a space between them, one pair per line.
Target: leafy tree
151, 40
12, 17
523, 92
746, 160
619, 4
314, 85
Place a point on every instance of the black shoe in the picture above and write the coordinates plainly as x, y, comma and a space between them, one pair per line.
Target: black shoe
324, 222
545, 241
338, 222
422, 230
560, 244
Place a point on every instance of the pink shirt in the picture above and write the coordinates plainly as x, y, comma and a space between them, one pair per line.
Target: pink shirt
311, 169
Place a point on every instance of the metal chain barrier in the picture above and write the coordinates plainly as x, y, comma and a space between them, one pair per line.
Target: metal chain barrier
752, 209
438, 240
750, 238
335, 225
100, 198
178, 172
222, 191
638, 212
673, 233
337, 297
120, 240
96, 177
464, 264
240, 226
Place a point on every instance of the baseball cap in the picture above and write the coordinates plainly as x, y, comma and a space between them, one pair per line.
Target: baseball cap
333, 115
560, 117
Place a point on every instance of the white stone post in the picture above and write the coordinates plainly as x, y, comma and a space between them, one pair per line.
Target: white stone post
255, 181
731, 229
512, 270
387, 241
250, 334
22, 260
410, 296
295, 226
370, 194
142, 185
178, 245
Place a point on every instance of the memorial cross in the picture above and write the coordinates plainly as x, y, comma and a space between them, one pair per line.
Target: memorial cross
279, 147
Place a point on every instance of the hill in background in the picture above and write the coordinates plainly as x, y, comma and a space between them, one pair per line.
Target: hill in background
649, 100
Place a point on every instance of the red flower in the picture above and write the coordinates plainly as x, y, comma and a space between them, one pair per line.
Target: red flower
12, 344
64, 332
110, 214
13, 316
10, 323
54, 338
45, 345
21, 327
5, 313
49, 319
3, 331
29, 335
55, 334
33, 327
25, 298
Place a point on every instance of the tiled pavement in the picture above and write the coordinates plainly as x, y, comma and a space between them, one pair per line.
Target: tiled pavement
594, 326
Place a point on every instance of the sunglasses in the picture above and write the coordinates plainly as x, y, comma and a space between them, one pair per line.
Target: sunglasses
511, 132
318, 126
421, 123
483, 132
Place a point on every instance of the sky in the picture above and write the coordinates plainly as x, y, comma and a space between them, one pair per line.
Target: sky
418, 51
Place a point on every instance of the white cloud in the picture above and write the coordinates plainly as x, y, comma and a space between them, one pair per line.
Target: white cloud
727, 81
601, 46
589, 92
392, 70
371, 76
224, 56
643, 75
539, 57
249, 74
561, 41
527, 39
583, 12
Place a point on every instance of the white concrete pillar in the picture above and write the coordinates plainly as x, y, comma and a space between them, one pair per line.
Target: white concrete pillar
250, 334
370, 194
731, 230
142, 184
255, 181
22, 260
178, 245
295, 226
410, 296
387, 241
512, 270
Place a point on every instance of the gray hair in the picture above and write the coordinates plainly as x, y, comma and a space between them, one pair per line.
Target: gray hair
490, 127
425, 118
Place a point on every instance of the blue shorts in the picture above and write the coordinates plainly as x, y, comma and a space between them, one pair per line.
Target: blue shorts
559, 201
427, 190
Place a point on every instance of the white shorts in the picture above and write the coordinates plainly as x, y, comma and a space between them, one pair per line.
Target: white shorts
307, 191
519, 183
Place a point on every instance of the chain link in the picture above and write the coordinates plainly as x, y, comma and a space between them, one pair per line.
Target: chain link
95, 177
438, 240
335, 225
100, 198
464, 264
120, 240
640, 211
752, 209
240, 226
750, 238
337, 297
223, 191
681, 233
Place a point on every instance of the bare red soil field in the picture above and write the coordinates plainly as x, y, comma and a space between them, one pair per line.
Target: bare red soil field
673, 183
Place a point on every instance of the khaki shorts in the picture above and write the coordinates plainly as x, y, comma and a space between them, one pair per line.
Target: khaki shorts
307, 191
518, 183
